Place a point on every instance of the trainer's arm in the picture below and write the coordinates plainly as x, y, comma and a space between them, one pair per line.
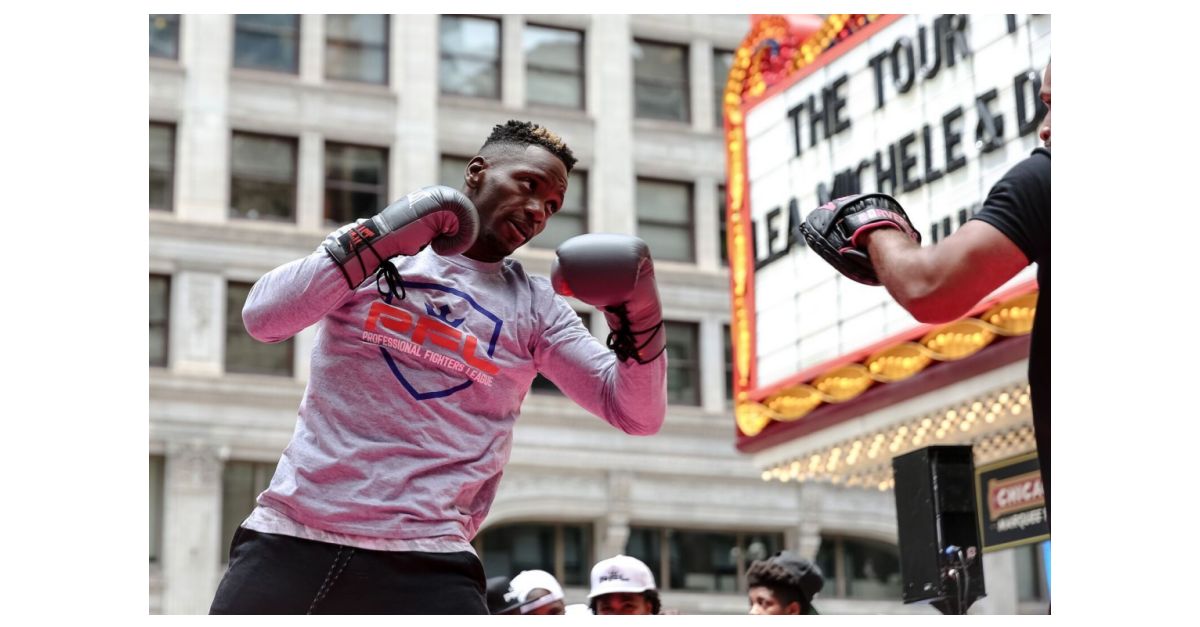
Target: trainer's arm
942, 282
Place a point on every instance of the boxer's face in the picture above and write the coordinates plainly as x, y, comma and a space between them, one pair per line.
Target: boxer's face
516, 190
1044, 94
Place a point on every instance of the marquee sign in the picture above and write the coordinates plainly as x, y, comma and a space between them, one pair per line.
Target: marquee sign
1011, 502
931, 109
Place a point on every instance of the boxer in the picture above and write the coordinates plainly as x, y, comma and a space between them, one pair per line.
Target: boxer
429, 339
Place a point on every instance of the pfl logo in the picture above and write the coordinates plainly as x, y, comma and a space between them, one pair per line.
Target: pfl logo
612, 575
456, 336
354, 238
422, 329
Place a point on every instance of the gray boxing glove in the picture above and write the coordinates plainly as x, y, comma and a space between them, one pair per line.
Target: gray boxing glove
615, 274
437, 215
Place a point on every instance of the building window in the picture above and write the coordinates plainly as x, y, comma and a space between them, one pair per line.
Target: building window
453, 171
701, 561
244, 353
263, 172
470, 56
1031, 572
160, 308
664, 210
162, 166
157, 472
356, 48
355, 182
554, 66
241, 483
267, 42
660, 74
164, 36
683, 363
561, 549
542, 385
723, 224
859, 569
727, 336
571, 219
722, 63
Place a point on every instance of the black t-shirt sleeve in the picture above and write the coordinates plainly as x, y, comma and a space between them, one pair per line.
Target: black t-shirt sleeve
1019, 205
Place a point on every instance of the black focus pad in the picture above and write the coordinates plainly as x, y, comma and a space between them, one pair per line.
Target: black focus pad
831, 231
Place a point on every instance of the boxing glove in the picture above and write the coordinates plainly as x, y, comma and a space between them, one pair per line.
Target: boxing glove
437, 214
615, 274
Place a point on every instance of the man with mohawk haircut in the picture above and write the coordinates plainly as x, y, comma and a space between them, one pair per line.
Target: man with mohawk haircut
429, 339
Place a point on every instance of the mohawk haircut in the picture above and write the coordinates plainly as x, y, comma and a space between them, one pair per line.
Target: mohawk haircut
516, 133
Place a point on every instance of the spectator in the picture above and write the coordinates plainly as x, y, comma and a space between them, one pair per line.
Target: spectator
783, 584
623, 585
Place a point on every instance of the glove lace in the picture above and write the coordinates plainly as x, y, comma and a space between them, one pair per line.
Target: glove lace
388, 273
623, 340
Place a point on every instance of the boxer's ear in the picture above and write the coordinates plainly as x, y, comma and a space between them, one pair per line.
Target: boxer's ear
475, 171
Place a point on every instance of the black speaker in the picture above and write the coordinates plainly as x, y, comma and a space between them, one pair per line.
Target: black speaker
940, 557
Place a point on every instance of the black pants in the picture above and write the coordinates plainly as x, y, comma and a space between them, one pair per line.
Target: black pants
275, 574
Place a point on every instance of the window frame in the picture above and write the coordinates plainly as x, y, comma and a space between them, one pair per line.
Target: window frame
558, 569
178, 21
723, 225
351, 186
295, 66
719, 84
686, 86
581, 76
839, 577
545, 387
695, 363
499, 60
727, 348
582, 176
741, 562
462, 174
295, 182
173, 128
359, 45
258, 471
290, 343
166, 323
158, 494
690, 186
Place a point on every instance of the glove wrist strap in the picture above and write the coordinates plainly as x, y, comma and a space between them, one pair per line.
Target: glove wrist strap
348, 247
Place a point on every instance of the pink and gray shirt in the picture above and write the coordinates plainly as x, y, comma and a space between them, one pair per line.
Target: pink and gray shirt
406, 423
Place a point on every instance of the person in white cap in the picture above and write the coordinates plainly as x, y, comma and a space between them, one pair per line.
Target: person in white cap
536, 592
623, 585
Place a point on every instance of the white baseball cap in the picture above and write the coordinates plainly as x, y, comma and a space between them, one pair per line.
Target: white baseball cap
528, 581
620, 574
